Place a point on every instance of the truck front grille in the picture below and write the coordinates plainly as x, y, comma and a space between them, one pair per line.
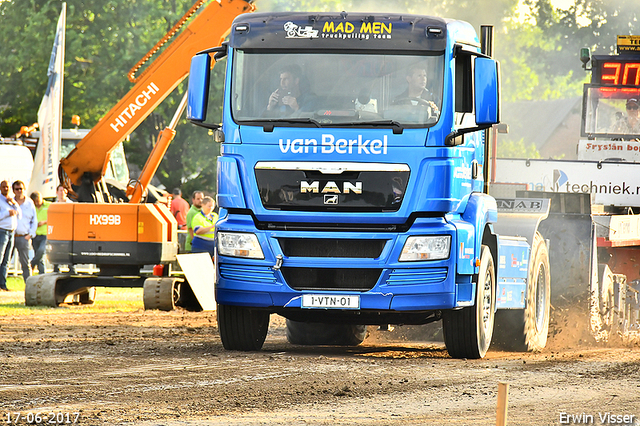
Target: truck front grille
357, 279
328, 186
328, 247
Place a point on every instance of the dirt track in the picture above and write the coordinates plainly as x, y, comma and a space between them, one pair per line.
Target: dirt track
169, 368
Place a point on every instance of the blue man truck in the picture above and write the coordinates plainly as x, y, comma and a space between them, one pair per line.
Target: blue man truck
352, 186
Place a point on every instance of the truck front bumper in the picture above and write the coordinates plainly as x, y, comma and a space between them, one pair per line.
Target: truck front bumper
380, 281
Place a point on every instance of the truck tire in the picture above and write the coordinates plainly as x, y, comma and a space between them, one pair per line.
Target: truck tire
468, 331
526, 329
602, 306
306, 333
241, 328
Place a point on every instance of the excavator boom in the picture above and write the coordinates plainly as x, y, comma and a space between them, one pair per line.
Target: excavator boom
92, 153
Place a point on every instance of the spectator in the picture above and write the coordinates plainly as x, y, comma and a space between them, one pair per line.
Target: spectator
26, 229
9, 214
196, 205
61, 195
40, 241
204, 226
179, 208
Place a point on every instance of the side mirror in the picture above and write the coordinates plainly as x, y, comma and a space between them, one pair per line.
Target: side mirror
487, 91
221, 51
198, 91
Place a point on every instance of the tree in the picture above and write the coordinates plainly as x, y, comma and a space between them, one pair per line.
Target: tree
517, 149
477, 12
104, 40
540, 55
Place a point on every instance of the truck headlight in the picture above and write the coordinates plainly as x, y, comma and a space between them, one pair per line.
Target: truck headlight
239, 245
426, 248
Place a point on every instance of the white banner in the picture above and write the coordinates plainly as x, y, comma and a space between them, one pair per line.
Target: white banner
611, 183
44, 177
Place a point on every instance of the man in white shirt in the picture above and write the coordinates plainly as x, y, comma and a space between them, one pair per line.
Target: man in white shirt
26, 229
9, 213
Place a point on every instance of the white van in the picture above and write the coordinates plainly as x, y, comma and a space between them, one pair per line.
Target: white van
16, 162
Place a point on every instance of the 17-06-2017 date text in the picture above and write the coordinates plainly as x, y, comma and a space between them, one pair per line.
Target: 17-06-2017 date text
37, 418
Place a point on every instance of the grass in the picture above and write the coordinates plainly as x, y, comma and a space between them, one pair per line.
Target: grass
15, 283
108, 299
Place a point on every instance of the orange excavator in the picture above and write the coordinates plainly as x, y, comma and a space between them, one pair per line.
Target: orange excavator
112, 227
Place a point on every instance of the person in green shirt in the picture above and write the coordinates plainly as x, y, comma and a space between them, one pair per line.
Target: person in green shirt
204, 226
40, 241
196, 205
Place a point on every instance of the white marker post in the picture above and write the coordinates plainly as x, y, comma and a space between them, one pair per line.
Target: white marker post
503, 402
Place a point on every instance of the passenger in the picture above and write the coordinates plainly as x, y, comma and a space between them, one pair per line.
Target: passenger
204, 225
290, 97
629, 124
40, 240
196, 205
417, 92
26, 229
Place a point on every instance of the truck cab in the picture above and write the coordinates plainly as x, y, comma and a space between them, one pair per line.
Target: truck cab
348, 200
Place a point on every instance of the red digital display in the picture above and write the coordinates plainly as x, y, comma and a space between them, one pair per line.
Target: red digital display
620, 73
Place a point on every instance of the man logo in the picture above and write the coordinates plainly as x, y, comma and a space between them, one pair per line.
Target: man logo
330, 199
330, 188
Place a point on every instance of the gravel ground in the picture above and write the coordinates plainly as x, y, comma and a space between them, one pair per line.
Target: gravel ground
169, 368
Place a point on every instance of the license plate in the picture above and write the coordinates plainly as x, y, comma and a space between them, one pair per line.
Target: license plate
330, 301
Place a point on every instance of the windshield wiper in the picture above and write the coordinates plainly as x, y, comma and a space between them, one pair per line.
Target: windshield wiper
397, 127
270, 123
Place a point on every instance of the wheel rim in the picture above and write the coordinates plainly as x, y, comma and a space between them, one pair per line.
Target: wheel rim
487, 308
540, 297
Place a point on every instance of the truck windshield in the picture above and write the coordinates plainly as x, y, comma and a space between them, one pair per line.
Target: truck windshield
611, 112
336, 89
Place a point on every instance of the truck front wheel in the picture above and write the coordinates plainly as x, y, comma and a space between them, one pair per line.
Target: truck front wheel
241, 328
468, 331
526, 329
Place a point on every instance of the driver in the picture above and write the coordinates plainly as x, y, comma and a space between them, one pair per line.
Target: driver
629, 124
289, 98
417, 92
